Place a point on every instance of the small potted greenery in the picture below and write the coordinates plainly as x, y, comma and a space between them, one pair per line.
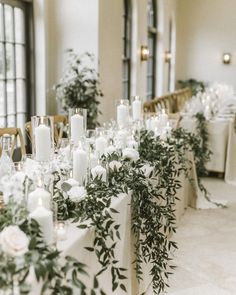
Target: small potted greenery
79, 87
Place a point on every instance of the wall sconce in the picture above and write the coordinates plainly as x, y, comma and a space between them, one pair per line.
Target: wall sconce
226, 58
144, 53
168, 56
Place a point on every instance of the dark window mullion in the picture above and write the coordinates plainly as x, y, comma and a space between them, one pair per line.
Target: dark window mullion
14, 62
4, 61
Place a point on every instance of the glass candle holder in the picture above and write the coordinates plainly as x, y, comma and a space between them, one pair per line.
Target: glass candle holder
122, 113
78, 124
80, 162
43, 138
136, 104
101, 141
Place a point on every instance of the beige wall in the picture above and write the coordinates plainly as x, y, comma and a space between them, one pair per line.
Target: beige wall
206, 29
96, 26
110, 49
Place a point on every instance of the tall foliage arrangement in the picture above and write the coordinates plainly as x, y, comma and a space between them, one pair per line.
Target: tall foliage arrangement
79, 87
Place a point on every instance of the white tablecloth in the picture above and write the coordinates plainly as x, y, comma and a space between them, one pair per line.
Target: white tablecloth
222, 142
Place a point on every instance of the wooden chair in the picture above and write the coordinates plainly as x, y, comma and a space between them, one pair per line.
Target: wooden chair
60, 121
15, 133
181, 97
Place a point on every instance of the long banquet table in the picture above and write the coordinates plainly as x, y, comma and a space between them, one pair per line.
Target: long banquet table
80, 238
222, 143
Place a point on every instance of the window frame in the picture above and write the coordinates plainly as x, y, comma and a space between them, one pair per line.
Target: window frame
127, 48
29, 77
152, 35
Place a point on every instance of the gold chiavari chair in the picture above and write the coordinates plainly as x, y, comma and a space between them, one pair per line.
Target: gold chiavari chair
60, 121
15, 133
181, 97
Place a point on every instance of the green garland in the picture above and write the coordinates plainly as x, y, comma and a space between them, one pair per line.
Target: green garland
56, 275
153, 219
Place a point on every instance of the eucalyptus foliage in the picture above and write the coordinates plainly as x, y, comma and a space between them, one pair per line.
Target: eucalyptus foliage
79, 87
54, 274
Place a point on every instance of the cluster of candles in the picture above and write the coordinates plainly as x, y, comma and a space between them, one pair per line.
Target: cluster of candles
85, 151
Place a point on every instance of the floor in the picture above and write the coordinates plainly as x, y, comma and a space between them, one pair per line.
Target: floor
206, 257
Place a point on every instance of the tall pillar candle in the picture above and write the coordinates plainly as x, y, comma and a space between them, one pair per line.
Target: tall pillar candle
76, 128
122, 115
44, 217
80, 165
136, 109
36, 195
100, 145
43, 143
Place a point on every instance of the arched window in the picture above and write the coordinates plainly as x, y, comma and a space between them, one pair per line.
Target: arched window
126, 77
152, 37
15, 55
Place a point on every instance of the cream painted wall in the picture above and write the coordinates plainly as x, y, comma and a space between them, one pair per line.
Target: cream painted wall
110, 54
206, 29
61, 25
96, 26
110, 50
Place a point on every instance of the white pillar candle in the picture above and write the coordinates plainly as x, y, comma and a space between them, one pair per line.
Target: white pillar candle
93, 160
164, 118
122, 138
100, 172
136, 110
34, 196
44, 217
100, 145
80, 165
76, 128
43, 143
61, 230
122, 115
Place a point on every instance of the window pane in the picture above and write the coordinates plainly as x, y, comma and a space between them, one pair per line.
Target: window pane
2, 122
20, 61
11, 121
20, 95
8, 22
1, 22
1, 61
19, 25
2, 100
10, 98
10, 60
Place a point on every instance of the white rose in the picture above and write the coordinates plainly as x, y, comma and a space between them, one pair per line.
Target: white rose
131, 154
109, 150
147, 170
77, 193
115, 165
100, 172
72, 182
14, 241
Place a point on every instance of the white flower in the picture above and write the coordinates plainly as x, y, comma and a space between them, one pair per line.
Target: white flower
77, 193
131, 154
14, 241
110, 149
99, 171
147, 170
72, 182
115, 165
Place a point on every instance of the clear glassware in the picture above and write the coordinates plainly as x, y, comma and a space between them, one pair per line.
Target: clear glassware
43, 138
6, 163
122, 113
78, 124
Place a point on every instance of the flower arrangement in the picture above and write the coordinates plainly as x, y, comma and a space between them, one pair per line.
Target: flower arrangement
79, 87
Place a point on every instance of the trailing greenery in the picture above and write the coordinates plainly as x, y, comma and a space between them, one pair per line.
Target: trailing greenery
194, 85
202, 153
54, 274
95, 211
79, 87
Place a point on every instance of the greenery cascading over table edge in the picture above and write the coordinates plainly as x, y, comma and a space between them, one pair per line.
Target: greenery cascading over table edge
152, 213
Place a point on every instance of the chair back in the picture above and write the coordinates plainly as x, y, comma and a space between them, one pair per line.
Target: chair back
15, 133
